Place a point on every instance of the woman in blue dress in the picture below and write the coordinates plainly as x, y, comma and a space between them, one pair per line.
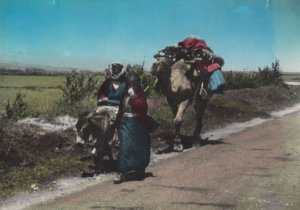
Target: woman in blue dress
134, 154
114, 87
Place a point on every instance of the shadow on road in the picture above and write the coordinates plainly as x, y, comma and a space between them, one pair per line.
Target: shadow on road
116, 207
218, 205
259, 175
192, 189
132, 176
187, 143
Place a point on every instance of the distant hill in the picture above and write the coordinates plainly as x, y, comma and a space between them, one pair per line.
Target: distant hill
17, 69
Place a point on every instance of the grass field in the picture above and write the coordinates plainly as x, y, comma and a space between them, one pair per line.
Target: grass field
292, 77
40, 101
15, 81
41, 93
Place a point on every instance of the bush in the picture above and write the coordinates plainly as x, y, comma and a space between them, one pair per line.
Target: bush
17, 110
147, 79
240, 80
79, 94
264, 77
270, 75
77, 87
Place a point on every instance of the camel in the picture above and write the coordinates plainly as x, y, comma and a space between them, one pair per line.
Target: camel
175, 79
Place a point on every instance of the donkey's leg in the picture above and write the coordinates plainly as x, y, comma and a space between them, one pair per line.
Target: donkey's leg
98, 161
199, 107
111, 139
112, 166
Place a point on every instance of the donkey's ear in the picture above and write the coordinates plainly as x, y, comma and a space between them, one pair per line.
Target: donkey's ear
96, 118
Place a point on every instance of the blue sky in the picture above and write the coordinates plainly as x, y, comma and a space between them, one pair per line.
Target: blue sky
93, 33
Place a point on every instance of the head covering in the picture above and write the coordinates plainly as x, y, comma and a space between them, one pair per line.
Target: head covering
133, 79
115, 71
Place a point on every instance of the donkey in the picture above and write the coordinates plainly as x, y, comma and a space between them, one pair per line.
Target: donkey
176, 80
96, 129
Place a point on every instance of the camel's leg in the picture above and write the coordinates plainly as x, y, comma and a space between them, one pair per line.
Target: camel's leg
174, 107
199, 107
177, 144
181, 111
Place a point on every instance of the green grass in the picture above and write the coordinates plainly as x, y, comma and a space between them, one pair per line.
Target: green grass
162, 114
40, 101
22, 178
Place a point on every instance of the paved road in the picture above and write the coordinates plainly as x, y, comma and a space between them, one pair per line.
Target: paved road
258, 168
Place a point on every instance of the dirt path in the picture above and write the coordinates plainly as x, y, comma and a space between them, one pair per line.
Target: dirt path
254, 169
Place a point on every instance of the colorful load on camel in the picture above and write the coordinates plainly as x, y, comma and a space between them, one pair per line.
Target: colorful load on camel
207, 64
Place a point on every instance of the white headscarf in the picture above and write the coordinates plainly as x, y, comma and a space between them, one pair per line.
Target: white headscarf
109, 71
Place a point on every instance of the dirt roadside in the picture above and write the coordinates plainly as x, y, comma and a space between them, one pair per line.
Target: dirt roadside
254, 169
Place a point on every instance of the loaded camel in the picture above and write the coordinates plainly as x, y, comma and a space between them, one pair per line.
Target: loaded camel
175, 81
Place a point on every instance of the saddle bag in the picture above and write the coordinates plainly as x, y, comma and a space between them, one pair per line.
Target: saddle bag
216, 83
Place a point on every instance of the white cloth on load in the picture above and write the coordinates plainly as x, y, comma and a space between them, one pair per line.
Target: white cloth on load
100, 109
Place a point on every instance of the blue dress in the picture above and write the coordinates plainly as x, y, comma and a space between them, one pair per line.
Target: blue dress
134, 139
115, 95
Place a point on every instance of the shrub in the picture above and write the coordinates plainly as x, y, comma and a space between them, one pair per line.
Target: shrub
147, 79
77, 87
240, 80
263, 77
16, 110
79, 94
270, 75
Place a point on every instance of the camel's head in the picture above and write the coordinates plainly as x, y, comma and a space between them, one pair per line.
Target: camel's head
160, 65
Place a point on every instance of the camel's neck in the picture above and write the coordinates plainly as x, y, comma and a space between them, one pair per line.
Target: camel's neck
164, 81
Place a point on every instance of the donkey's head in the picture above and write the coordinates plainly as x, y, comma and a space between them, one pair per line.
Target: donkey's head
103, 119
91, 126
82, 129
